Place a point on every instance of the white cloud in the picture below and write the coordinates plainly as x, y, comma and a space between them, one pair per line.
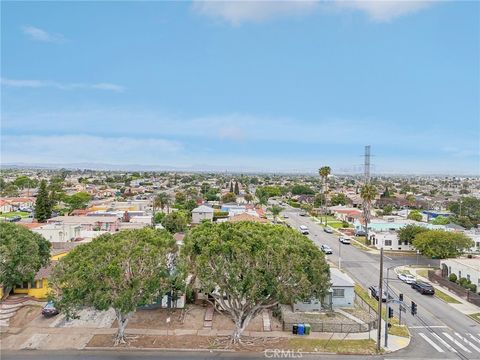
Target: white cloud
38, 34
60, 86
383, 10
237, 12
87, 148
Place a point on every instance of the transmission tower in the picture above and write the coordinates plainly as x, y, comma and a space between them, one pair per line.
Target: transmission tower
367, 164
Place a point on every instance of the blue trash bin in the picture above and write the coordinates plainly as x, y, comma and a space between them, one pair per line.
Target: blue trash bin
301, 329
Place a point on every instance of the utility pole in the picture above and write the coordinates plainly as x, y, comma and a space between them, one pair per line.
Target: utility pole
380, 296
386, 313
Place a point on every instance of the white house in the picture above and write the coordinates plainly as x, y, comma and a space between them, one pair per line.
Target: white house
5, 206
342, 294
56, 232
202, 213
466, 268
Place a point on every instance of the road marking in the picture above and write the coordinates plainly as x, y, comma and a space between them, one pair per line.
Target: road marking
473, 337
444, 342
429, 327
427, 339
458, 343
472, 345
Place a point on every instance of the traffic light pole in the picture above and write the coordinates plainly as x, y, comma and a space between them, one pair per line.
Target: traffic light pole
386, 313
380, 296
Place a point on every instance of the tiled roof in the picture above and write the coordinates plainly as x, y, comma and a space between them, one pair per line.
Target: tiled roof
45, 272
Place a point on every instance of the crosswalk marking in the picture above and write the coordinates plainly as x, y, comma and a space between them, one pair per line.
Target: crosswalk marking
473, 337
435, 346
444, 342
458, 343
472, 345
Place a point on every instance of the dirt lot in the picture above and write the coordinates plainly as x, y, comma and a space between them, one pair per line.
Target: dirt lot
157, 319
249, 344
224, 322
25, 315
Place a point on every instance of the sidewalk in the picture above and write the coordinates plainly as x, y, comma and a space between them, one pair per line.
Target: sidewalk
464, 307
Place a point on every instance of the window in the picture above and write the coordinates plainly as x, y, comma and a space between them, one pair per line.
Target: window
338, 293
388, 242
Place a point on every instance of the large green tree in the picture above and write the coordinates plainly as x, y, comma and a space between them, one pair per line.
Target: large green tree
248, 267
229, 197
339, 199
415, 215
22, 254
442, 244
407, 233
275, 210
467, 207
120, 271
175, 222
77, 201
43, 203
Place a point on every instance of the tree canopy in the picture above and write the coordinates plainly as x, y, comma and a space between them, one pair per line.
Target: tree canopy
339, 199
22, 254
43, 203
175, 222
229, 197
407, 233
77, 201
247, 267
299, 189
415, 215
467, 211
121, 271
442, 244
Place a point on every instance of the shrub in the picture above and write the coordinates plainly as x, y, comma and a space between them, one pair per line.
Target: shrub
463, 282
453, 278
472, 287
345, 224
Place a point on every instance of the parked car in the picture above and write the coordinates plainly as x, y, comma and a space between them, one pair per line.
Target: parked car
285, 216
328, 230
408, 278
326, 249
49, 310
303, 229
423, 288
360, 233
303, 214
344, 240
15, 218
374, 291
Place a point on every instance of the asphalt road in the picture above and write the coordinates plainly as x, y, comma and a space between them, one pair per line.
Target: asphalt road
438, 330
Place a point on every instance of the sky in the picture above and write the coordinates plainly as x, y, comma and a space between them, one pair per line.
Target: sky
252, 86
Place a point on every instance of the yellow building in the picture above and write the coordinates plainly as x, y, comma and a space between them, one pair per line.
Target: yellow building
38, 288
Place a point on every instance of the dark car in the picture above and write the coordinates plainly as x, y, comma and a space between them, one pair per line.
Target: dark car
49, 310
328, 230
303, 214
360, 233
374, 292
423, 288
15, 218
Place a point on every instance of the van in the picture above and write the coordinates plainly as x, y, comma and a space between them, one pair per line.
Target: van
303, 229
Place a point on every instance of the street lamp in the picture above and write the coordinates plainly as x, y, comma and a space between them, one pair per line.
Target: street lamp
386, 305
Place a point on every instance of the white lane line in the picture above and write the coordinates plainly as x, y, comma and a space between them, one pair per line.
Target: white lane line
444, 342
458, 343
427, 339
428, 327
473, 337
472, 345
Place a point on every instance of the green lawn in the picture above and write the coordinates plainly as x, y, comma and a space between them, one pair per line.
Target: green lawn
423, 272
445, 297
337, 346
15, 213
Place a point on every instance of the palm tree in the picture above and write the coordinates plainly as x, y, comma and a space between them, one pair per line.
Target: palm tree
161, 201
324, 171
275, 210
368, 192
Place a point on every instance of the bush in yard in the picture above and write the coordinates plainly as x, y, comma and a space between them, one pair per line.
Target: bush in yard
472, 287
463, 282
452, 278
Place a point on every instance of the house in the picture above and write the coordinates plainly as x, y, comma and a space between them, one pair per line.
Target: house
463, 268
5, 206
21, 202
39, 287
202, 213
103, 223
57, 232
341, 295
344, 213
233, 209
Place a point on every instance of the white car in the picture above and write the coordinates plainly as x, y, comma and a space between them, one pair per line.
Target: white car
326, 249
408, 278
303, 229
285, 216
344, 240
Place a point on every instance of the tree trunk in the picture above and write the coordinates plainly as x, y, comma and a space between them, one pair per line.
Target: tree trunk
122, 320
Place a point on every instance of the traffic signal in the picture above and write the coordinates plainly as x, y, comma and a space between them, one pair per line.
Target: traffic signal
413, 308
400, 297
390, 312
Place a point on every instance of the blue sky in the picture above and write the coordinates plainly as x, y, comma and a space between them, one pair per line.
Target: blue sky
276, 86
